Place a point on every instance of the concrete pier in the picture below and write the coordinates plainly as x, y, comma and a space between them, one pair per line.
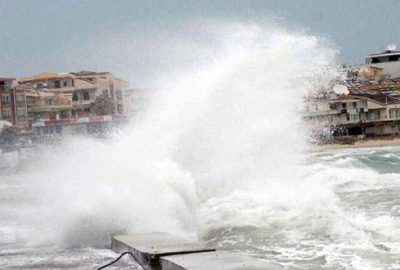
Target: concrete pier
220, 260
161, 251
148, 248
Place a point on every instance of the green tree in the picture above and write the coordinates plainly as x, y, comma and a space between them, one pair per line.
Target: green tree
103, 105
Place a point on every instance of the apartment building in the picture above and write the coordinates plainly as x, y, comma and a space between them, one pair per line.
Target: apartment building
61, 96
13, 103
6, 96
387, 63
371, 105
48, 99
107, 84
364, 113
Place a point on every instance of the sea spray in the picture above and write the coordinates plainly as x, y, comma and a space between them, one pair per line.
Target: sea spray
220, 145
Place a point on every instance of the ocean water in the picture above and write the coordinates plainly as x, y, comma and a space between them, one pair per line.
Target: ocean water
345, 214
218, 154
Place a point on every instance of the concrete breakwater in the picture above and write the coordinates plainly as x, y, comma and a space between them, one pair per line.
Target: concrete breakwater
161, 251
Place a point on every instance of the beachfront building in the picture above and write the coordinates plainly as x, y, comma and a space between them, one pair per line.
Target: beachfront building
6, 96
61, 96
107, 84
13, 107
388, 62
361, 112
371, 104
50, 102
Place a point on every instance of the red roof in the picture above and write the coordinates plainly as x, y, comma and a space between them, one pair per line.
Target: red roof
6, 79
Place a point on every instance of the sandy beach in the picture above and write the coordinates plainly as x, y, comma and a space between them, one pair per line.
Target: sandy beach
361, 143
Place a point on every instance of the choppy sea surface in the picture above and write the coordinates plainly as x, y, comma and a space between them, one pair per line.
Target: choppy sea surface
352, 223
356, 228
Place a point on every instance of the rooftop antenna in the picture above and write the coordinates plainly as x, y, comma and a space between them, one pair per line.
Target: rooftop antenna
391, 47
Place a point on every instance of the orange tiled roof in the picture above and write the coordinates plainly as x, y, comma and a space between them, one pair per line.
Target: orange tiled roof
46, 76
6, 79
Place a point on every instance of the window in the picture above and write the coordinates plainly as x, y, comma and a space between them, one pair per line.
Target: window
118, 94
57, 84
380, 59
75, 97
120, 109
7, 114
394, 58
65, 84
394, 113
333, 106
352, 105
353, 117
5, 100
374, 115
21, 114
86, 95
375, 60
20, 99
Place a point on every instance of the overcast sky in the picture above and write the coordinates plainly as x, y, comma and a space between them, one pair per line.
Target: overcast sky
128, 36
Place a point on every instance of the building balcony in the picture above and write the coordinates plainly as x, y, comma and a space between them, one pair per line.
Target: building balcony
83, 102
49, 108
90, 119
5, 87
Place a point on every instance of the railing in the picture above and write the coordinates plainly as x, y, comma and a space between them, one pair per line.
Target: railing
83, 102
80, 120
5, 102
41, 106
46, 106
20, 102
